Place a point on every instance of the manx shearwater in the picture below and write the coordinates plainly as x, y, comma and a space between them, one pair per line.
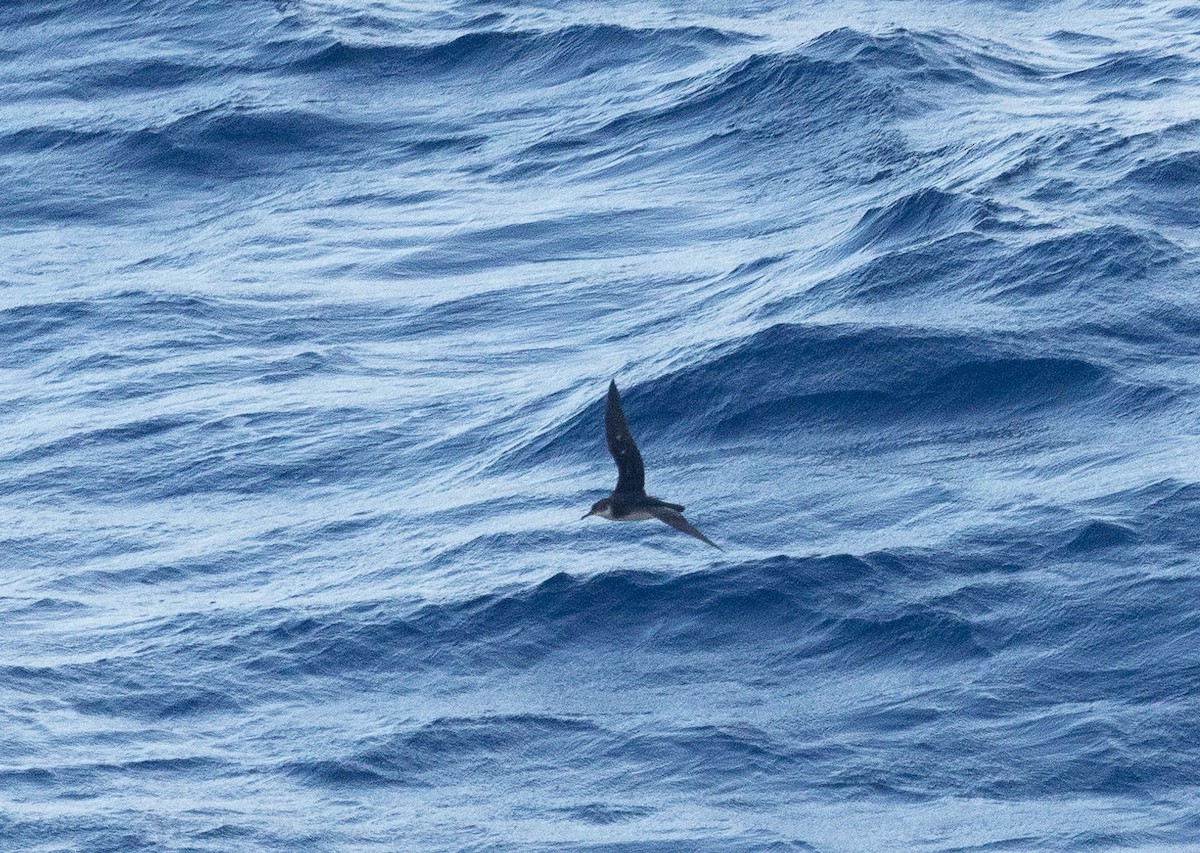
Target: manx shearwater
629, 501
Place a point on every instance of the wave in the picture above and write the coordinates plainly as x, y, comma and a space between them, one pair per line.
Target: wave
1068, 664
442, 749
1167, 189
489, 56
1126, 68
833, 609
1095, 264
924, 215
236, 141
789, 378
827, 106
291, 285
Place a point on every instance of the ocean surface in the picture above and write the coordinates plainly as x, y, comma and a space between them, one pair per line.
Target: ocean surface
307, 313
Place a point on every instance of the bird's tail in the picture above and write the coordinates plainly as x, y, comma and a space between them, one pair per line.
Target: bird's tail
676, 520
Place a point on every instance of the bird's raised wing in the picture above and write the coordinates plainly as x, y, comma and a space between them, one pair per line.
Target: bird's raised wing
631, 476
676, 520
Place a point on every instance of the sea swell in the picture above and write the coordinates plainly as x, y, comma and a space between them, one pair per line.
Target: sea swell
306, 315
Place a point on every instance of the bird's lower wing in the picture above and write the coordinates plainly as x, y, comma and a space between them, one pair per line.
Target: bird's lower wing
676, 520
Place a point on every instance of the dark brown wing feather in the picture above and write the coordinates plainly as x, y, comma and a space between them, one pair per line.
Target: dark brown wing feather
667, 504
631, 476
676, 520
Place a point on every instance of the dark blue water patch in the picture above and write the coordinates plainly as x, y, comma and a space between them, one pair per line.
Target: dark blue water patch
1143, 526
163, 765
104, 363
136, 51
1134, 67
1098, 264
788, 616
937, 58
150, 696
831, 607
51, 550
231, 142
620, 607
130, 75
90, 781
148, 573
100, 439
790, 375
160, 458
39, 140
30, 13
947, 266
226, 831
1096, 751
339, 528
983, 385
767, 91
29, 777
40, 606
463, 735
798, 104
603, 814
268, 463
926, 214
700, 758
388, 200
748, 842
1073, 38
37, 330
1098, 535
474, 311
349, 773
1070, 165
442, 750
28, 208
1175, 517
1097, 634
305, 363
1167, 188
494, 58
449, 145
50, 680
199, 703
25, 324
923, 635
1021, 842
1032, 751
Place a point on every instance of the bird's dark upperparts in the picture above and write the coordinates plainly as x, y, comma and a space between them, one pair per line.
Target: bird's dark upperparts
629, 501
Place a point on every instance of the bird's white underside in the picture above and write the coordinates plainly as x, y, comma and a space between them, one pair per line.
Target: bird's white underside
637, 515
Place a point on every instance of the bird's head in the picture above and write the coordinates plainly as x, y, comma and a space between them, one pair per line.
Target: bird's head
601, 508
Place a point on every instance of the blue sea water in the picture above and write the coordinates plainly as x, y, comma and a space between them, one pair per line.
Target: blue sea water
307, 310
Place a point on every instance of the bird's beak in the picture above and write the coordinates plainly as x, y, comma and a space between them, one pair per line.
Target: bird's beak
589, 515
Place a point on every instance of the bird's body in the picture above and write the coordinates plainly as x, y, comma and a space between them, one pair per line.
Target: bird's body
629, 501
633, 508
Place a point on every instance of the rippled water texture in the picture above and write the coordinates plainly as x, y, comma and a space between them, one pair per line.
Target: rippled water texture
307, 310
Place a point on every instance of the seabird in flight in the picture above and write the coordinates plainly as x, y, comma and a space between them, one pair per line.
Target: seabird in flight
629, 501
